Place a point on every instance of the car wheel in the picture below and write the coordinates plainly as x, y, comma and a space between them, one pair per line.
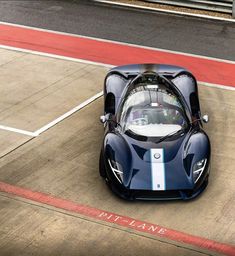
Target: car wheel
102, 166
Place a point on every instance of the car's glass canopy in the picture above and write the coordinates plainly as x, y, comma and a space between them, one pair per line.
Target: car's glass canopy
152, 111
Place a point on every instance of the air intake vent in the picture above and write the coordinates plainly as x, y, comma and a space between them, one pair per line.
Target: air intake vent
187, 163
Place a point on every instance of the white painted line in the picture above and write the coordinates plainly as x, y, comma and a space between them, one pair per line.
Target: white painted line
79, 107
165, 10
217, 86
122, 43
55, 56
11, 129
54, 122
69, 113
224, 87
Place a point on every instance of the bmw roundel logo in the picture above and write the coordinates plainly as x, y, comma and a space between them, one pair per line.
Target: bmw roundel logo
157, 155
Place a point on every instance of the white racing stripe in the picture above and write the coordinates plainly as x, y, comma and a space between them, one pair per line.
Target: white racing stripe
158, 169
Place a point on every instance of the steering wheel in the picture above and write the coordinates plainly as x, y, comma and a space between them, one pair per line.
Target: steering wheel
140, 121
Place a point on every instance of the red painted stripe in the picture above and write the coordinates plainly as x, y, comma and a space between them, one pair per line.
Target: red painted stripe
205, 70
119, 220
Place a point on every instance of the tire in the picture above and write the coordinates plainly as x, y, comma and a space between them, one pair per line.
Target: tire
102, 166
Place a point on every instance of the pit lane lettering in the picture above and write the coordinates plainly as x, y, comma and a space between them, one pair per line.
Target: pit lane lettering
150, 228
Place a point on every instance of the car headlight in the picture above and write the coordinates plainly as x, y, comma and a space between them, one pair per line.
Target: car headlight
116, 169
198, 169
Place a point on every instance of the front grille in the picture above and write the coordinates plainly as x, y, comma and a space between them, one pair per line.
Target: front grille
156, 195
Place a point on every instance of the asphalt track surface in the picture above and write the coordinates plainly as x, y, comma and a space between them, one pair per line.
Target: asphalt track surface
53, 201
172, 32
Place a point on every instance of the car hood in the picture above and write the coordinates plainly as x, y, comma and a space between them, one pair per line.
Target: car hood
158, 166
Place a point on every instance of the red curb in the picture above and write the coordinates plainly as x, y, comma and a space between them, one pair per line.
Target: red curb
205, 70
120, 220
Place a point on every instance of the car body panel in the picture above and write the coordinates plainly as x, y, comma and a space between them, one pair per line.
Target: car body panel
143, 173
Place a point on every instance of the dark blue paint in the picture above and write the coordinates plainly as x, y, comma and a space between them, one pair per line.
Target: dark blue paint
181, 152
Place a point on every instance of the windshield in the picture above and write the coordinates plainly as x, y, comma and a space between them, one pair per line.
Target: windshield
152, 112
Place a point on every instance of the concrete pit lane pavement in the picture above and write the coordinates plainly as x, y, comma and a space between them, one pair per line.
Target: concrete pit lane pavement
62, 162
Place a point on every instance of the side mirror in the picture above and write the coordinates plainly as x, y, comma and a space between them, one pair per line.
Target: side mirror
104, 118
205, 118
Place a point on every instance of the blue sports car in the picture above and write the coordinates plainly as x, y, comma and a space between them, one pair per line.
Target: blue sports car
154, 146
